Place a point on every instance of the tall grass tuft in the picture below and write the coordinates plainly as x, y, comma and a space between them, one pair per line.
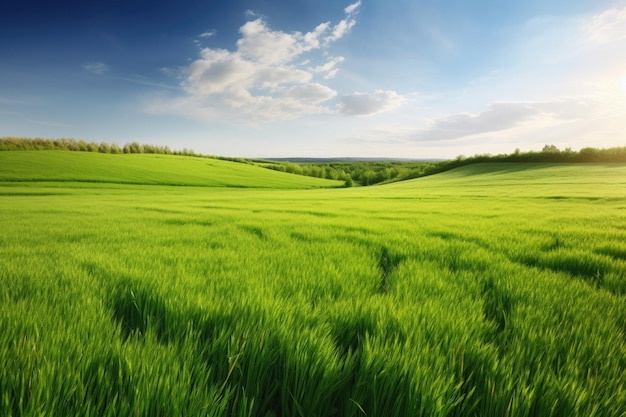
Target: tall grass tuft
387, 263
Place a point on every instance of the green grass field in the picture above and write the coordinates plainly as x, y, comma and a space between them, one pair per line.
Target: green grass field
168, 285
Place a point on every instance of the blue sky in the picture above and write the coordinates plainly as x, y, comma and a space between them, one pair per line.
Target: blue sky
319, 78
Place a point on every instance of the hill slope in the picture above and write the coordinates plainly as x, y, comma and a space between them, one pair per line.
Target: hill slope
145, 169
522, 180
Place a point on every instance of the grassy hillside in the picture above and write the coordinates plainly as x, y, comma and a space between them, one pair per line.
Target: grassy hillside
490, 290
547, 180
144, 169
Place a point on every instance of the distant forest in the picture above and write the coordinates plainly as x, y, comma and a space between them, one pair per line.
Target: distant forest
377, 172
351, 172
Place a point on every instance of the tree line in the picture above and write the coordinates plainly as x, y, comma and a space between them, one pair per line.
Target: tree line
64, 144
352, 173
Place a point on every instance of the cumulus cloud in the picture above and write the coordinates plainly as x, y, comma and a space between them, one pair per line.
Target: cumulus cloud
361, 104
98, 68
263, 45
500, 116
270, 76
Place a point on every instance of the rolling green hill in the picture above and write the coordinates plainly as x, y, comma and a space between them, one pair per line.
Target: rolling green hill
145, 169
522, 180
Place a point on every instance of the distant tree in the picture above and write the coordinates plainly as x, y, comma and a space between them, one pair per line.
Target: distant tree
293, 168
550, 149
368, 177
589, 155
71, 145
186, 152
82, 146
136, 147
104, 147
381, 176
115, 149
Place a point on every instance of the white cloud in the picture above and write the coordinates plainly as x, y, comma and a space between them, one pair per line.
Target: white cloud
352, 9
271, 77
216, 71
268, 77
97, 68
608, 26
265, 46
329, 68
208, 34
360, 104
313, 39
310, 93
343, 27
501, 116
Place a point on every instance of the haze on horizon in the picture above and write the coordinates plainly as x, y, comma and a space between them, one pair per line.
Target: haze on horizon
371, 78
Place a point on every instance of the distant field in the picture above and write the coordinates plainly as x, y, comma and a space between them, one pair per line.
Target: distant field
489, 290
